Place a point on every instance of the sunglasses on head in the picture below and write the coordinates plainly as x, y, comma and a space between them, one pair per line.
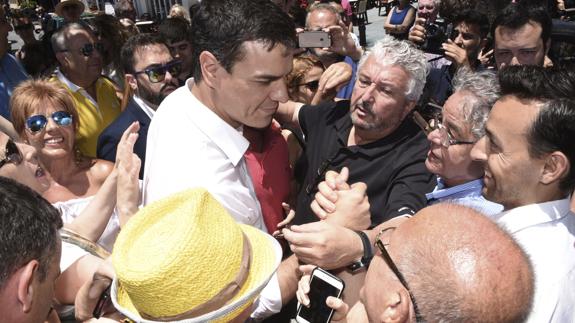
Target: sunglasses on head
38, 122
158, 73
11, 154
312, 85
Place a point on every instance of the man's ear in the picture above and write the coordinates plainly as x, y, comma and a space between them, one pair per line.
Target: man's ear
397, 307
62, 58
209, 65
26, 286
556, 167
131, 80
547, 46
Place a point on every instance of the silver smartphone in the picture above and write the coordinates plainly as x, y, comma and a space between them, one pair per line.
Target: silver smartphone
314, 39
322, 285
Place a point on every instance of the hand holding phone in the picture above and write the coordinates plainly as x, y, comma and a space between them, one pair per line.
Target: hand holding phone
322, 285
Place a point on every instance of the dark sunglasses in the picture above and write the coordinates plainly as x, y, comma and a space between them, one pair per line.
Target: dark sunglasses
158, 73
38, 122
313, 85
11, 154
387, 258
23, 27
88, 49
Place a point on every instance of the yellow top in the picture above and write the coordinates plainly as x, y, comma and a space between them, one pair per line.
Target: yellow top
94, 118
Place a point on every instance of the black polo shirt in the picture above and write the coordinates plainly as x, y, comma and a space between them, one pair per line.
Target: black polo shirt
393, 167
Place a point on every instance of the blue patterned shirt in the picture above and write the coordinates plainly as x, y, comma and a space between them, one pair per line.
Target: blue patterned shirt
468, 194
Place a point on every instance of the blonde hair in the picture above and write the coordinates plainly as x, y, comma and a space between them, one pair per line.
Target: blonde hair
31, 95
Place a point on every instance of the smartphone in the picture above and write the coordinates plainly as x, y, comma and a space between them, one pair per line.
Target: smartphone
322, 285
314, 39
103, 302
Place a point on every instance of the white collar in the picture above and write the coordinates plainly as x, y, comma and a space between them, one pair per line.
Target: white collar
73, 87
533, 214
144, 106
229, 139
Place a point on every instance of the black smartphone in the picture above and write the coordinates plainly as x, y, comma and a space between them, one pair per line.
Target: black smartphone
314, 39
103, 302
322, 285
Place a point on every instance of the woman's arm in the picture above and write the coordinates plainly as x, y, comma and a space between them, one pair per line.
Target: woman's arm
407, 22
389, 28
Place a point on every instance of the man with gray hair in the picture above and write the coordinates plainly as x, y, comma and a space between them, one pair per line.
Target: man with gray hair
373, 134
79, 56
452, 134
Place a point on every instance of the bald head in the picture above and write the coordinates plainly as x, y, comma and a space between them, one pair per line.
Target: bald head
462, 267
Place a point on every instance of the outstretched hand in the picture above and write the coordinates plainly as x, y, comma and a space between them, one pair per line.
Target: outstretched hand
128, 165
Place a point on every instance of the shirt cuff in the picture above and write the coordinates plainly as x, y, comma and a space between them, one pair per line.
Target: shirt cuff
269, 302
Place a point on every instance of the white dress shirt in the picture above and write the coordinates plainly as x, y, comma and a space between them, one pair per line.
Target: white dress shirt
546, 232
190, 146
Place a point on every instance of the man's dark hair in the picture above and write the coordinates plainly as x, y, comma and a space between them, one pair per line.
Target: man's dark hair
518, 14
175, 29
132, 44
28, 229
473, 17
222, 26
554, 127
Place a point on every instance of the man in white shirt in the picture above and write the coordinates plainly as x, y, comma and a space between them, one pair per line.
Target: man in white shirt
528, 153
151, 73
195, 138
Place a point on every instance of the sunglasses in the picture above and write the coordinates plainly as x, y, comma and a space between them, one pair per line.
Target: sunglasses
38, 122
391, 264
88, 49
11, 154
312, 85
158, 73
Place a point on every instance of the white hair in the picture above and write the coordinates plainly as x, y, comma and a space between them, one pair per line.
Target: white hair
390, 51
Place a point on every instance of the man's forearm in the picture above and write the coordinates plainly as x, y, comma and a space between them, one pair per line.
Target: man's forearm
288, 277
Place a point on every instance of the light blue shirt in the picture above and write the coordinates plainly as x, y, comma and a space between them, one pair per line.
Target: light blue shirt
467, 194
11, 74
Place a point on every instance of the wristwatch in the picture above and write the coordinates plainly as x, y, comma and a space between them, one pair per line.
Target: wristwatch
367, 254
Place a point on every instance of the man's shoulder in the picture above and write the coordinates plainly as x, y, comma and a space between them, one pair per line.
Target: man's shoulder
327, 112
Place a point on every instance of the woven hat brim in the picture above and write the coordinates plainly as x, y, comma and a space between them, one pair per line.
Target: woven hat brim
61, 4
266, 257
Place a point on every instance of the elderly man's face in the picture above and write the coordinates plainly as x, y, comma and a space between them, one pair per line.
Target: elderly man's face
318, 20
378, 100
453, 163
521, 46
427, 9
150, 57
511, 174
83, 58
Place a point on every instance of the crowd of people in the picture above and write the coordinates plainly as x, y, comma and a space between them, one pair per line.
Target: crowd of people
202, 171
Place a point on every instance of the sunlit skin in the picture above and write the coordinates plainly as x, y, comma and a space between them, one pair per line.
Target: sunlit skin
29, 172
378, 102
250, 93
81, 70
319, 20
54, 141
453, 164
511, 174
522, 46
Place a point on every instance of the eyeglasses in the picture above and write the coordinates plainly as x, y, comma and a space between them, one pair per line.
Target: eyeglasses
38, 122
446, 138
158, 73
88, 49
11, 154
387, 258
312, 85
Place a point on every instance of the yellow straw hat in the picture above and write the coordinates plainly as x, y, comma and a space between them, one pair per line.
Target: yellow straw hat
184, 258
